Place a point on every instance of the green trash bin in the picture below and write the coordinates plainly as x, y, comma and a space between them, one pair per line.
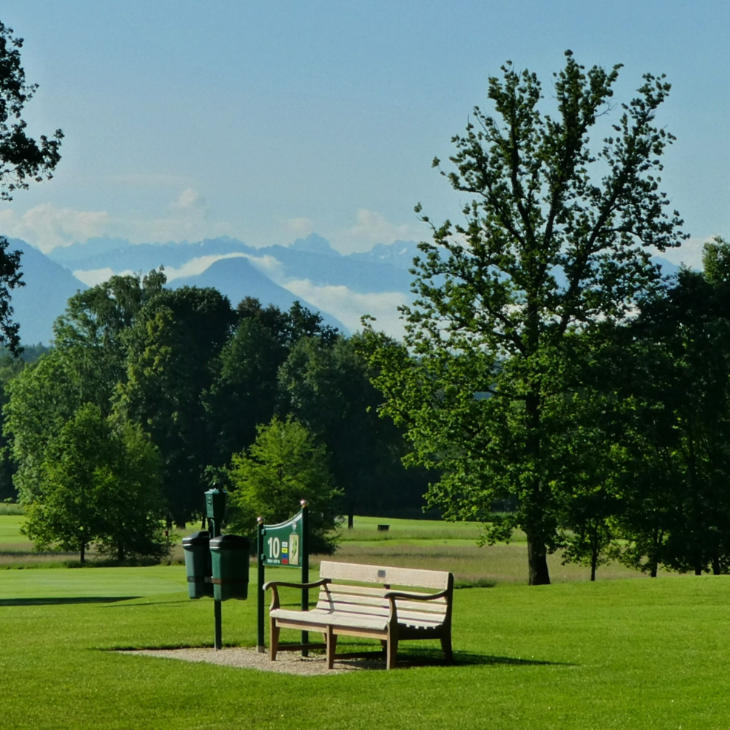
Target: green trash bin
197, 564
229, 555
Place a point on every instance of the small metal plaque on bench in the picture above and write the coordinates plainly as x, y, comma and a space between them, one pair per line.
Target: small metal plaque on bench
381, 573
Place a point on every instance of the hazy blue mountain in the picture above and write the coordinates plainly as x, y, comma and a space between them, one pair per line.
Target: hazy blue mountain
48, 287
399, 254
667, 267
120, 255
50, 281
314, 244
358, 274
237, 278
385, 268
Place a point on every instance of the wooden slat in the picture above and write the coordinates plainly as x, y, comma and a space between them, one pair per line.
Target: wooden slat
334, 597
386, 575
347, 589
336, 593
355, 589
359, 631
353, 607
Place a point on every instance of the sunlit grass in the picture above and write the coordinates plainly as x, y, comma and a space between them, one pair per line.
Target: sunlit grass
614, 654
10, 508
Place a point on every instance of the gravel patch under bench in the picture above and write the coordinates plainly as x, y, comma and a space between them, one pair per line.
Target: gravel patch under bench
288, 662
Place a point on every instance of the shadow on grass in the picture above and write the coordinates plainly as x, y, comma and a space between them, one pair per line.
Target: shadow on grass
376, 660
146, 604
465, 658
62, 601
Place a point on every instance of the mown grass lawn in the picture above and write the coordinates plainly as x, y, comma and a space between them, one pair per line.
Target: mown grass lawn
622, 653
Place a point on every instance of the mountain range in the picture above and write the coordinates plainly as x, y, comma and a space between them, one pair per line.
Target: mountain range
341, 287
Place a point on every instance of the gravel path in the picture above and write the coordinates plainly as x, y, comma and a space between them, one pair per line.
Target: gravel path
287, 662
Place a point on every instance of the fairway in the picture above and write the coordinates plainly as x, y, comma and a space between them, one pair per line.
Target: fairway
621, 653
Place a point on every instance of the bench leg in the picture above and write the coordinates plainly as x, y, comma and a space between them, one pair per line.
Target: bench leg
331, 639
273, 639
391, 651
446, 646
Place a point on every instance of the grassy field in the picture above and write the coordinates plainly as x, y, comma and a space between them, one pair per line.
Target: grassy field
629, 652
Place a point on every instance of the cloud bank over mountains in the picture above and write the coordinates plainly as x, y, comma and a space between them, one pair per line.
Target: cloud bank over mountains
342, 287
185, 215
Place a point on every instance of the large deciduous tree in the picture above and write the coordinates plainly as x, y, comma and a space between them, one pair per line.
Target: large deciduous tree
99, 482
22, 160
557, 236
676, 505
173, 346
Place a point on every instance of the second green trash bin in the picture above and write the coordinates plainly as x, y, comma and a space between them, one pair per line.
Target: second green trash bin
229, 556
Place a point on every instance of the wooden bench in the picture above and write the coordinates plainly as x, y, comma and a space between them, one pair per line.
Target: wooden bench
369, 601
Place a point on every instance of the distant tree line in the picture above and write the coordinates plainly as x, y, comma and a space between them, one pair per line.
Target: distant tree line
150, 395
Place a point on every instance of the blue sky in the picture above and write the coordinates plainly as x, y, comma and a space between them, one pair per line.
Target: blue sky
270, 120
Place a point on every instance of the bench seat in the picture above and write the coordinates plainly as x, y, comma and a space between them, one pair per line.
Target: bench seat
370, 601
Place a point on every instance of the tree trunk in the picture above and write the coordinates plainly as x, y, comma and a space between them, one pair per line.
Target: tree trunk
594, 563
536, 551
82, 552
539, 575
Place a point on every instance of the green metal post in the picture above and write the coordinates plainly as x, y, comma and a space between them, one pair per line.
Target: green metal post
215, 507
305, 568
260, 588
218, 625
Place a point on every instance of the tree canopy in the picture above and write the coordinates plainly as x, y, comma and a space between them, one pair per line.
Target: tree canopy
284, 465
23, 160
557, 237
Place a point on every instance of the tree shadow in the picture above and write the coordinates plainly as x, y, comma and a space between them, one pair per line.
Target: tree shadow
463, 658
145, 604
434, 658
62, 601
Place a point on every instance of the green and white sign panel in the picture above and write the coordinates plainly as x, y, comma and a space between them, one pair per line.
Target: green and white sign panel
282, 543
285, 545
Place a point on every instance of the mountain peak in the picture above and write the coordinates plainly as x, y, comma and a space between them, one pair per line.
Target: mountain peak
314, 244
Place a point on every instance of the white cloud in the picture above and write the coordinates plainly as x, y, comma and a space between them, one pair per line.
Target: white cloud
47, 226
349, 306
92, 277
371, 227
189, 200
194, 266
300, 227
689, 253
268, 264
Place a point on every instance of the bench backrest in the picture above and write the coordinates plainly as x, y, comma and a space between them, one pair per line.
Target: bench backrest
346, 592
438, 580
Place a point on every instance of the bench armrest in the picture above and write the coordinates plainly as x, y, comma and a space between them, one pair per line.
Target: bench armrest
392, 595
276, 584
